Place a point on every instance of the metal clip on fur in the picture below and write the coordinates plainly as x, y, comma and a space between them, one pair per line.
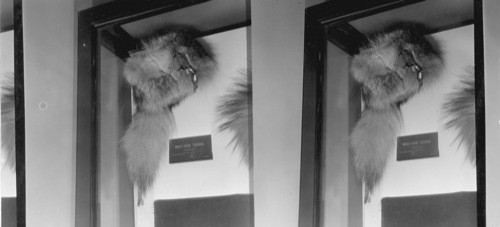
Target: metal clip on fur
420, 77
194, 77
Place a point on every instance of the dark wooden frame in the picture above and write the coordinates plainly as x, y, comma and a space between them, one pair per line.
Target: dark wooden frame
328, 22
19, 113
94, 24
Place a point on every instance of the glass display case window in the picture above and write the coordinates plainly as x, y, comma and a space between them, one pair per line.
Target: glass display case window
164, 114
393, 114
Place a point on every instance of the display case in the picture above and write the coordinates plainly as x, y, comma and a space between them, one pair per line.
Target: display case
393, 114
164, 114
8, 167
12, 169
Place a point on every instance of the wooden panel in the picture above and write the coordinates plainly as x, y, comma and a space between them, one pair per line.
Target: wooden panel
229, 210
451, 209
20, 116
206, 16
431, 13
9, 212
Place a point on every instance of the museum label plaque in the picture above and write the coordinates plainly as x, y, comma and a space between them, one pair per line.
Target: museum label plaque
190, 149
417, 146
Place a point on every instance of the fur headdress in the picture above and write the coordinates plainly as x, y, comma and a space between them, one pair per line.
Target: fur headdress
165, 71
394, 66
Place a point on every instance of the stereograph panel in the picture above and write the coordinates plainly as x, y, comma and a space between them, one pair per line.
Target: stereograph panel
173, 116
449, 170
398, 114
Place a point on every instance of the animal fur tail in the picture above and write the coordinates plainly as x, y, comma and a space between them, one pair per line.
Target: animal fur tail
460, 107
8, 121
235, 113
372, 141
144, 144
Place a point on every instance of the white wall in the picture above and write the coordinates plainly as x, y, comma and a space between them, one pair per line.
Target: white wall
277, 64
7, 51
492, 89
49, 67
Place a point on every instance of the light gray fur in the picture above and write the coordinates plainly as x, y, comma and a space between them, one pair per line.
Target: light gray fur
372, 139
381, 69
160, 79
8, 121
145, 143
235, 114
460, 108
385, 68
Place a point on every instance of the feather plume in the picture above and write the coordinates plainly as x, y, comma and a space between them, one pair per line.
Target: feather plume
460, 107
8, 121
235, 114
